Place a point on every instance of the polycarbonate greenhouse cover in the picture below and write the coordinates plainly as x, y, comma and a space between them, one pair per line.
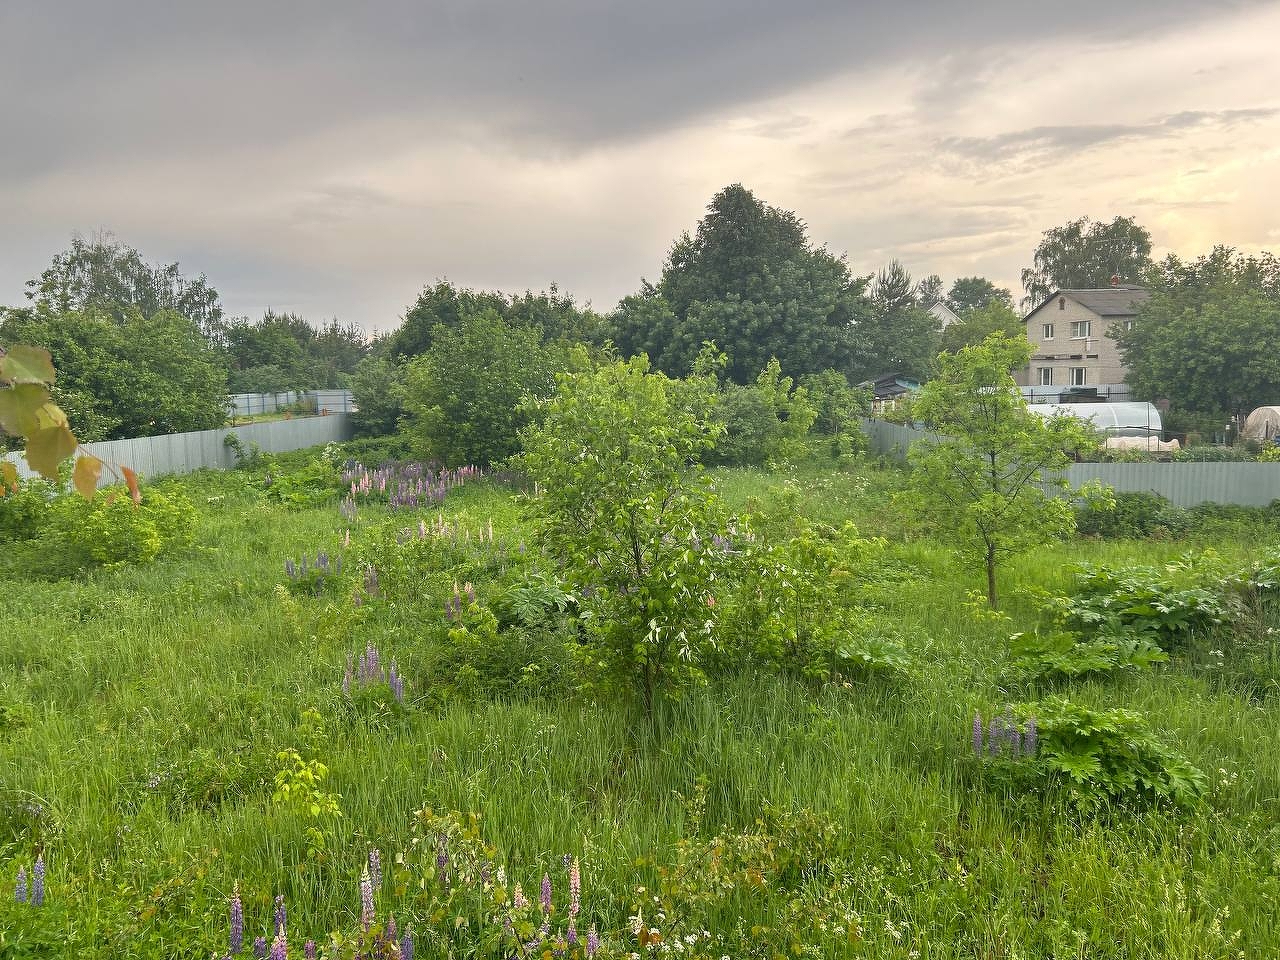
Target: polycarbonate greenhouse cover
1114, 419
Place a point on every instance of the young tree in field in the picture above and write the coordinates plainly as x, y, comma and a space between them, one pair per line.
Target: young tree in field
624, 509
1083, 255
977, 483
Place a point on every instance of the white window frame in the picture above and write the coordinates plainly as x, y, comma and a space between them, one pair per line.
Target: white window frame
1046, 331
1046, 376
1128, 325
1085, 325
1079, 376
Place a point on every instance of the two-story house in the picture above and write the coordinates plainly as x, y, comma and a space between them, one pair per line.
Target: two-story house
1072, 349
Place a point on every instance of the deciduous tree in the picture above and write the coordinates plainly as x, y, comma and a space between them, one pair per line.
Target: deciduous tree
1082, 254
624, 509
977, 483
1208, 338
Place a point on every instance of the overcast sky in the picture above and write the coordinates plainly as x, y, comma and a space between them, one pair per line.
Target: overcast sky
333, 157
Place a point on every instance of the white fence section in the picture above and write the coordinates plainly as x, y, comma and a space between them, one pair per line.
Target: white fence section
1183, 484
185, 452
326, 401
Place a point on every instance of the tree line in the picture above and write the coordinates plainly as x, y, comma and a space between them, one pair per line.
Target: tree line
142, 349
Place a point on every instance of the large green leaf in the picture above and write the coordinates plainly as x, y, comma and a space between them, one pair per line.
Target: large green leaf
26, 364
19, 407
48, 447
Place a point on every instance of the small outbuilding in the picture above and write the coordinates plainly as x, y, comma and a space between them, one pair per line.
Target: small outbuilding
1263, 425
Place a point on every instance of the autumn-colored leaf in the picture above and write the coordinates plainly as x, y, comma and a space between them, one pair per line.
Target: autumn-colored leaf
131, 481
18, 408
9, 474
88, 470
48, 447
25, 364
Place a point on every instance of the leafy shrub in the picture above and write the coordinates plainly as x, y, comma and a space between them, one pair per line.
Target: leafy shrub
838, 408
112, 529
1101, 755
1270, 453
1206, 453
798, 601
766, 422
24, 508
1125, 515
478, 660
315, 484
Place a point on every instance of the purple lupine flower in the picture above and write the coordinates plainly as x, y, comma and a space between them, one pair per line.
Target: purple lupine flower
518, 899
995, 734
977, 733
391, 927
1015, 742
309, 950
290, 570
375, 867
442, 858
20, 889
237, 920
279, 948
366, 901
571, 935
484, 875
546, 894
1032, 737
260, 948
593, 941
281, 916
406, 946
575, 889
37, 882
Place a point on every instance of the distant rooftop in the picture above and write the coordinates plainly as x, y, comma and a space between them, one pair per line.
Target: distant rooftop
1119, 301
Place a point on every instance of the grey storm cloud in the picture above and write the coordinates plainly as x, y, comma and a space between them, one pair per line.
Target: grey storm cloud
331, 156
127, 78
1048, 143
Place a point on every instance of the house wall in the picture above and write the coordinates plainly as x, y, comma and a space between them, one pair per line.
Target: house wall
1099, 356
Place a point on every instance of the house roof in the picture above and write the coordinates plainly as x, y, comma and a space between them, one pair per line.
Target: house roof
1105, 302
944, 314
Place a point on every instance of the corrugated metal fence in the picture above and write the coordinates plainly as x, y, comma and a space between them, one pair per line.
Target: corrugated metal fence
250, 404
1184, 484
185, 452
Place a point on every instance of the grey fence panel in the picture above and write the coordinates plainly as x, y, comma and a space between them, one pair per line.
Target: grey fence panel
1183, 484
252, 404
185, 452
890, 439
1186, 484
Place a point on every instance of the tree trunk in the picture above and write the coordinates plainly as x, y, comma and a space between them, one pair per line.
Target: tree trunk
992, 599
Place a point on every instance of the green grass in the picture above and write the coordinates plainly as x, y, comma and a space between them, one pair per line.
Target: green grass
143, 708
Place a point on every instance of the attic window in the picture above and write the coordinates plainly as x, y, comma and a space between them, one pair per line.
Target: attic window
1062, 303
